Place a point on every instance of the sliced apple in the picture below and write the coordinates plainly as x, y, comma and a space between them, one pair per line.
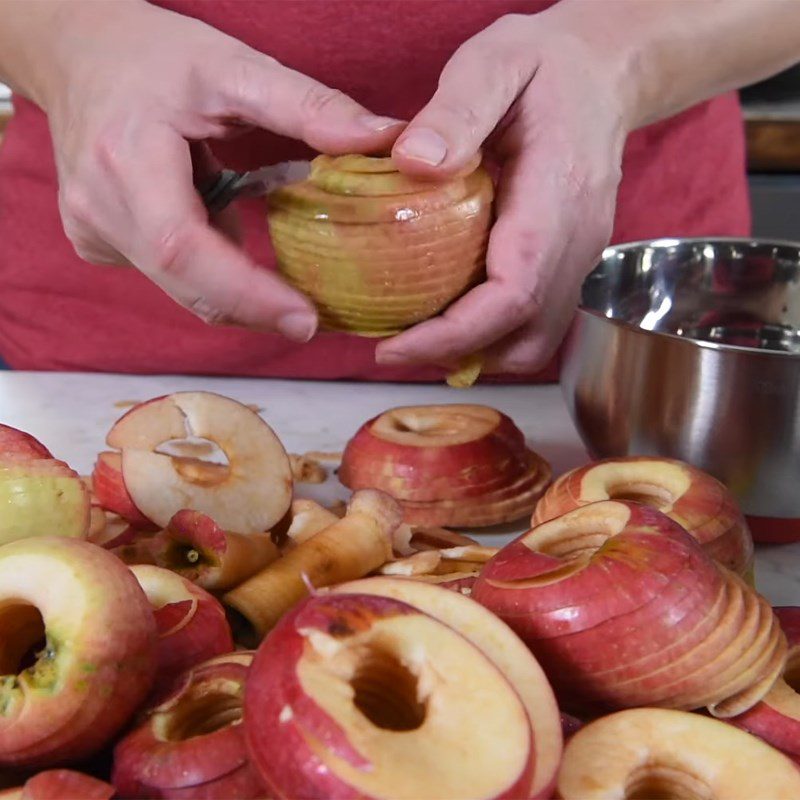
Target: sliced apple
192, 626
63, 784
111, 492
191, 743
694, 499
493, 637
658, 753
248, 495
363, 695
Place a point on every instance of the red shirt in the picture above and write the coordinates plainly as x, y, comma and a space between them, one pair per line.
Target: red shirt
682, 177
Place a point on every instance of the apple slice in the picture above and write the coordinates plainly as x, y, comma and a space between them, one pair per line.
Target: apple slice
456, 465
111, 492
61, 784
248, 496
776, 719
191, 743
651, 753
195, 547
368, 696
79, 615
192, 626
493, 637
695, 500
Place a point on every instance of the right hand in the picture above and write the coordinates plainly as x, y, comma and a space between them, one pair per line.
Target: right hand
130, 86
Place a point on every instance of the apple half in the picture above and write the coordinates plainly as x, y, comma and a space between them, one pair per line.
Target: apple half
248, 495
378, 251
622, 607
693, 498
776, 719
652, 753
39, 495
192, 626
367, 696
77, 650
492, 637
453, 465
191, 743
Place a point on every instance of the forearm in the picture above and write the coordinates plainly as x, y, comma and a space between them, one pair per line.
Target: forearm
671, 54
35, 34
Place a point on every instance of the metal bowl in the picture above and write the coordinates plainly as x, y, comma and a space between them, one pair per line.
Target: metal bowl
690, 348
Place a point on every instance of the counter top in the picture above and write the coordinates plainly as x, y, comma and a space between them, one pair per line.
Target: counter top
71, 414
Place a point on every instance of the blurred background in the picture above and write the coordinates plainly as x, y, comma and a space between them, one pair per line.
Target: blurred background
772, 119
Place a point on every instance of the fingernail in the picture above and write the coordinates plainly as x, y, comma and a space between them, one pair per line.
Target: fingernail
423, 144
390, 357
380, 123
298, 325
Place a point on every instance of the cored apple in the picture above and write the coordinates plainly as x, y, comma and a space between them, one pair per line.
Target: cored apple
694, 499
248, 495
652, 753
493, 637
194, 546
378, 251
60, 784
622, 607
192, 626
776, 719
39, 495
363, 695
457, 465
77, 650
191, 743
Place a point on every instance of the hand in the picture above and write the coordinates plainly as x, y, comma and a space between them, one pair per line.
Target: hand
134, 86
550, 107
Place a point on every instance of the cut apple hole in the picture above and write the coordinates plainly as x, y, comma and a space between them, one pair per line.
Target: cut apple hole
426, 426
648, 494
198, 716
386, 692
658, 781
22, 634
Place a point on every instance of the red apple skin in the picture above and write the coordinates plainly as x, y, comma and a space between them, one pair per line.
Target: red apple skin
707, 510
111, 493
116, 643
13, 441
273, 682
207, 765
66, 784
583, 627
190, 630
425, 474
767, 719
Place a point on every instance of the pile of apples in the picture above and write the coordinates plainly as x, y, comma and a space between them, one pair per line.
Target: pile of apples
176, 627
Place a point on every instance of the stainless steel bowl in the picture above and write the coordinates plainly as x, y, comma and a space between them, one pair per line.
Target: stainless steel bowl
690, 348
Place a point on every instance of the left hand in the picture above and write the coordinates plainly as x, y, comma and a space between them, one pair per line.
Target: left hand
550, 106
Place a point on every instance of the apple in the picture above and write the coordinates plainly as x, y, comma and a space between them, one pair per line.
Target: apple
776, 719
350, 548
367, 696
77, 650
652, 753
194, 546
60, 784
492, 637
622, 607
190, 744
192, 626
112, 495
248, 495
375, 250
456, 465
696, 501
39, 495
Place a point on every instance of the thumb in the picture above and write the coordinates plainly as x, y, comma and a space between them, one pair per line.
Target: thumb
476, 89
265, 93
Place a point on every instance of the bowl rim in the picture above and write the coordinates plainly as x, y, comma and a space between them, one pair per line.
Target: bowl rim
667, 241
